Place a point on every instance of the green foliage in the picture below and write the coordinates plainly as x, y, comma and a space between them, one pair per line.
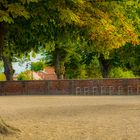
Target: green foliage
37, 66
11, 10
64, 27
127, 57
27, 75
10, 13
83, 67
93, 69
2, 77
4, 16
121, 73
77, 73
28, 1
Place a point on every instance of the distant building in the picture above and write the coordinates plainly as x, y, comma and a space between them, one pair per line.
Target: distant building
47, 74
15, 76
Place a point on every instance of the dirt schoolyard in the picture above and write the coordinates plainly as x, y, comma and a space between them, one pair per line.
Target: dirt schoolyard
72, 117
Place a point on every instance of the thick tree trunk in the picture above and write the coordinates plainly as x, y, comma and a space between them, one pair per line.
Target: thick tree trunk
105, 67
8, 69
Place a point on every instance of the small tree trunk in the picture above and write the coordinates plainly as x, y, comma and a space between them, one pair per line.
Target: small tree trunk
105, 67
62, 70
8, 69
59, 65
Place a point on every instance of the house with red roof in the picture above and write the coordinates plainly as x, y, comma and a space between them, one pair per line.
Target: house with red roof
47, 74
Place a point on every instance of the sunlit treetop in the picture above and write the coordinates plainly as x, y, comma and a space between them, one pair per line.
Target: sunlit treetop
11, 9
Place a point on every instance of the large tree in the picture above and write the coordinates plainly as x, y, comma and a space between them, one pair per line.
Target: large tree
9, 12
58, 29
113, 24
46, 21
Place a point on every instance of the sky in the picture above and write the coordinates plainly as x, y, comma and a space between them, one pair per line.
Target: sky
20, 68
23, 67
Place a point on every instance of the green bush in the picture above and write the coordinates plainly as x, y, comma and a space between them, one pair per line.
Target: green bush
2, 77
121, 73
37, 66
27, 75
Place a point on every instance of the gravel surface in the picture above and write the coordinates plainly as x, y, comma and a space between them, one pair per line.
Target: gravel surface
72, 117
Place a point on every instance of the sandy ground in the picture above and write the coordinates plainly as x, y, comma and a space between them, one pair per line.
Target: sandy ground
72, 118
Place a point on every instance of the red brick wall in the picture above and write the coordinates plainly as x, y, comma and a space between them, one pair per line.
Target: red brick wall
72, 87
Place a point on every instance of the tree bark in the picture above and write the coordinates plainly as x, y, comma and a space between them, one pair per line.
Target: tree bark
59, 65
8, 69
105, 67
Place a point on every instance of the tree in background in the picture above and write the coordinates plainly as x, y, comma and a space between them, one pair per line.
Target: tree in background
112, 26
127, 58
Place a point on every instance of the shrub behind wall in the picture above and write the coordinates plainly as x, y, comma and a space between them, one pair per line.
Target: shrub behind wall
2, 77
